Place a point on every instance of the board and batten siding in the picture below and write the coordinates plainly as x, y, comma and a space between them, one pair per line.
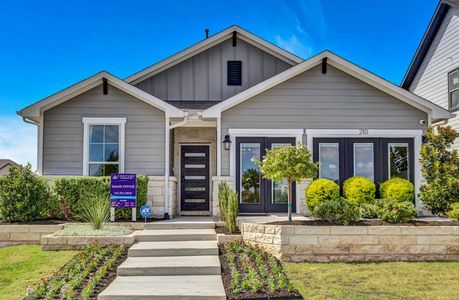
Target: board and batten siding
431, 80
313, 100
63, 132
203, 77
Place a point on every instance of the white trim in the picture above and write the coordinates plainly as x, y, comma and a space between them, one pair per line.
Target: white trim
208, 43
166, 169
33, 111
243, 132
422, 104
219, 147
121, 122
377, 133
40, 146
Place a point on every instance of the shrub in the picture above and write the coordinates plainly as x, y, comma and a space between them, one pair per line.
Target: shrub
394, 211
369, 211
23, 195
453, 212
223, 190
440, 170
94, 210
321, 190
359, 190
398, 189
229, 206
69, 191
339, 211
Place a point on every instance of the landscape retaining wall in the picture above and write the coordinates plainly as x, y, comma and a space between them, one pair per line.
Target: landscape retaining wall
26, 233
296, 243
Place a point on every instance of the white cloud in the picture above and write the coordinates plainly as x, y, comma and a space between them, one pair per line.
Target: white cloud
18, 140
294, 45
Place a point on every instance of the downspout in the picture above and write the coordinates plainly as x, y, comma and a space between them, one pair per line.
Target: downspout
39, 154
167, 212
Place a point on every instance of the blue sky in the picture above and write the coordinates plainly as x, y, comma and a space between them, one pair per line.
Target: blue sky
46, 46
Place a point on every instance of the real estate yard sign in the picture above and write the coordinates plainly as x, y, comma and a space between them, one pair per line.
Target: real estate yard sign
123, 193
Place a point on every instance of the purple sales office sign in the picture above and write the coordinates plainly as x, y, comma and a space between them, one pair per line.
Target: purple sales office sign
123, 190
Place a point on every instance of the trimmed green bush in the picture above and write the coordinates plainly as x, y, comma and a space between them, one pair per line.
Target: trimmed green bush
339, 211
321, 190
394, 211
453, 212
398, 189
69, 191
369, 210
359, 190
23, 195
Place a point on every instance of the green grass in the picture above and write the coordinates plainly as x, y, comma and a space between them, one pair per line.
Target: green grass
23, 266
86, 230
391, 280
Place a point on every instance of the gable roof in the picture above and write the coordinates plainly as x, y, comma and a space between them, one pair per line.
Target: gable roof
434, 111
33, 111
431, 31
210, 42
7, 162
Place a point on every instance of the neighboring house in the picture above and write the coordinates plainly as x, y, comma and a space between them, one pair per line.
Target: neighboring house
5, 166
434, 70
197, 118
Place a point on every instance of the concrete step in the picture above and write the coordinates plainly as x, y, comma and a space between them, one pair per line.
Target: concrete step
176, 235
180, 225
170, 265
165, 287
173, 248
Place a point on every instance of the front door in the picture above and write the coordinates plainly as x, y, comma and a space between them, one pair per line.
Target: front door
194, 176
258, 195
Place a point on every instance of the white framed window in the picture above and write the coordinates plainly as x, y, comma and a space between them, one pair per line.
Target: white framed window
453, 90
103, 146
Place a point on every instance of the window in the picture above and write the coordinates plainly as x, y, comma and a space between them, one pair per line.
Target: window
363, 160
234, 72
250, 173
453, 90
279, 190
329, 161
103, 152
398, 160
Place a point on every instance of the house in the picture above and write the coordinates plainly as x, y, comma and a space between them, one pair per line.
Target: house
5, 166
196, 119
434, 70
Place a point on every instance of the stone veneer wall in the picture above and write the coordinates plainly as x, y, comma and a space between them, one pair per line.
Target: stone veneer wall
296, 243
24, 233
156, 194
216, 180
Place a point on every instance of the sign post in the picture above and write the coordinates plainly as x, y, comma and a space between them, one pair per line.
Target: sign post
123, 193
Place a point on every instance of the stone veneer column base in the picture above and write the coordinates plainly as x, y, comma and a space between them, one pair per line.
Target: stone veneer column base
216, 180
156, 194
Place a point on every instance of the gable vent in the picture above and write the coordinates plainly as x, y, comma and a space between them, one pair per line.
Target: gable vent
234, 72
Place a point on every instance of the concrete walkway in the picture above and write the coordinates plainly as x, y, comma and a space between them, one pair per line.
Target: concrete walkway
176, 259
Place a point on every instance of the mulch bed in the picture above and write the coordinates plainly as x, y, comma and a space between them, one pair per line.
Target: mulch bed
264, 293
365, 223
109, 277
222, 229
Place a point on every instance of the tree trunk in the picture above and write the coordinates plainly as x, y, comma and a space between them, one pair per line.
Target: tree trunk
289, 210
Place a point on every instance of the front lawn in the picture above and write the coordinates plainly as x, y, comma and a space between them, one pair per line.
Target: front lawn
22, 266
391, 280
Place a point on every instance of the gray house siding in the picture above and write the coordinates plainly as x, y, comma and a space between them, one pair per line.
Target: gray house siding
63, 132
203, 77
431, 80
313, 100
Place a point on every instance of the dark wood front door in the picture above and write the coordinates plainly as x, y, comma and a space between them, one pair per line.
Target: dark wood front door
256, 194
194, 178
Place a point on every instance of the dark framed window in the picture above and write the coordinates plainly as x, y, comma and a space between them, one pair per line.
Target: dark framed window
453, 90
234, 72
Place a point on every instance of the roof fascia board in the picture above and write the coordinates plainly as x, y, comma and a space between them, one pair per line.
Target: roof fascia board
39, 107
343, 65
421, 51
208, 43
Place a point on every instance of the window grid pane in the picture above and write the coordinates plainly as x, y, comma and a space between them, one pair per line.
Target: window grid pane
279, 190
329, 161
250, 173
398, 164
363, 160
103, 150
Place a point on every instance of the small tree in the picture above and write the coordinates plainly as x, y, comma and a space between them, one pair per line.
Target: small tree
291, 162
440, 169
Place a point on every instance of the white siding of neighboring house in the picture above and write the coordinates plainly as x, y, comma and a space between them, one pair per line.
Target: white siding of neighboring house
431, 80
